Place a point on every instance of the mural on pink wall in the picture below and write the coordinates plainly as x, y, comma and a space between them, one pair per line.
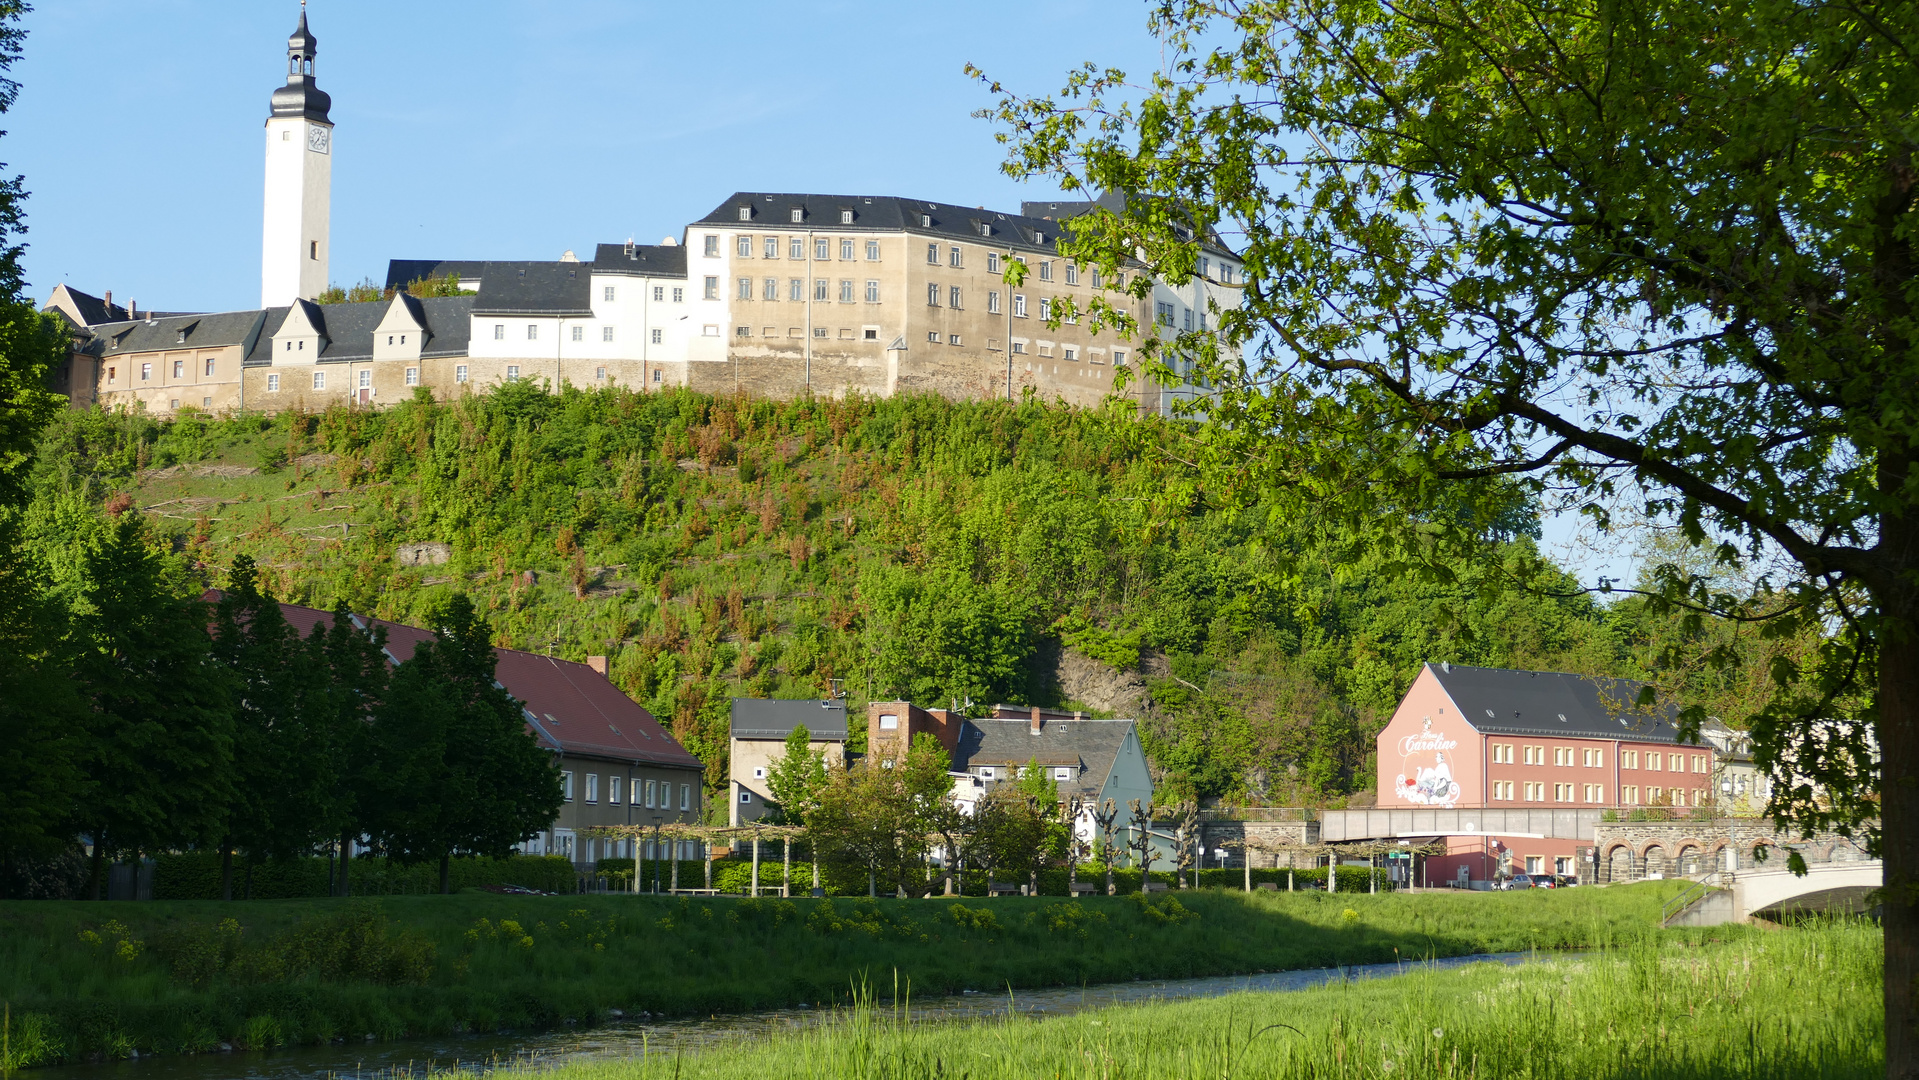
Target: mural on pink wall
1426, 774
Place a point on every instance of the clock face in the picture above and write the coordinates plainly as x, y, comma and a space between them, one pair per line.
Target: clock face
319, 139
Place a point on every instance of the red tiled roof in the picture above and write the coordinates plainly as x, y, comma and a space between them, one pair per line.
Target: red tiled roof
575, 708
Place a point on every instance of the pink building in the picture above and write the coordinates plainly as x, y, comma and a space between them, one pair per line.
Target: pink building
1468, 738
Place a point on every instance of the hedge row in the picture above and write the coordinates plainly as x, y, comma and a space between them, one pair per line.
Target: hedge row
196, 876
736, 876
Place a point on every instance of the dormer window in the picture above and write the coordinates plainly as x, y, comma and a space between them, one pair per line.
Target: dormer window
181, 336
796, 215
926, 221
985, 229
746, 213
846, 217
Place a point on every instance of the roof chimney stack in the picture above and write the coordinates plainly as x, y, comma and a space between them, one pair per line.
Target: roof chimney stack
1036, 719
109, 301
133, 310
597, 663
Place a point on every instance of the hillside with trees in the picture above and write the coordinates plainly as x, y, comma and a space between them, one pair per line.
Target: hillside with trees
946, 553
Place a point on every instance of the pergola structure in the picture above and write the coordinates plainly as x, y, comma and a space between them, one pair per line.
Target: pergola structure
706, 835
1372, 849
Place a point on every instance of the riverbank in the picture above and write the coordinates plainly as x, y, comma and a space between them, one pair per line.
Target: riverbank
103, 979
1785, 1004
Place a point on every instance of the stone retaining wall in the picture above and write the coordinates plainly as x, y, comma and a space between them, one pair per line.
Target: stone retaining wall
1633, 850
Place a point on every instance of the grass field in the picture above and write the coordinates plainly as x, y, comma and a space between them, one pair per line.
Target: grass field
1781, 1004
85, 979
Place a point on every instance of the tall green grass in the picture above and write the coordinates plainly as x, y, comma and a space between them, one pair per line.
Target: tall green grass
167, 977
1788, 1004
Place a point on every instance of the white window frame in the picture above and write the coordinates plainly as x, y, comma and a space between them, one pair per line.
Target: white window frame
413, 376
319, 380
459, 373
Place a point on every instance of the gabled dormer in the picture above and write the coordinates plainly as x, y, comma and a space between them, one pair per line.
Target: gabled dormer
302, 334
402, 331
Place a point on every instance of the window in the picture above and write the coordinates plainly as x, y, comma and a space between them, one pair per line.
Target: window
459, 373
746, 796
933, 336
313, 250
686, 796
1562, 792
953, 297
871, 333
846, 291
1019, 305
992, 262
953, 257
659, 292
1629, 759
656, 374
846, 218
606, 333
1019, 347
1187, 316
1502, 753
746, 213
1072, 274
657, 335
992, 302
1532, 755
1119, 356
319, 380
795, 289
771, 247
986, 772
889, 721
796, 248
872, 292
1629, 795
499, 331
1071, 353
533, 331
1095, 277
512, 373
711, 248
743, 247
1046, 348
710, 330
746, 288
1655, 761
679, 295
932, 295
1062, 774
1655, 795
273, 381
209, 368
1205, 267
1046, 307
872, 251
1046, 270
579, 333
1595, 793
1503, 790
566, 786
846, 250
742, 331
592, 787
796, 215
650, 788
933, 254
1562, 755
770, 289
952, 339
1698, 763
613, 790
926, 221
366, 379
599, 373
1163, 314
179, 369
712, 285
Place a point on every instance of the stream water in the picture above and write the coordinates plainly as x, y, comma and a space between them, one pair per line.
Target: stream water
631, 1037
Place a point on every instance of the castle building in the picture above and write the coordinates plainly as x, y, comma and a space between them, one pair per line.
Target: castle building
770, 294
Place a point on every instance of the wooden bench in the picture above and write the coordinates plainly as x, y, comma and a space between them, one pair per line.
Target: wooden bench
1085, 887
998, 889
1155, 886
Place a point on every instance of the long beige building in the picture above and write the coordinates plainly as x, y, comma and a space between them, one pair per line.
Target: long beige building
770, 294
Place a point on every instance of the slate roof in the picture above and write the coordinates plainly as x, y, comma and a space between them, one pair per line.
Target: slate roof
763, 718
885, 213
403, 272
555, 288
1497, 701
1090, 745
1067, 209
649, 260
348, 328
575, 709
92, 309
210, 331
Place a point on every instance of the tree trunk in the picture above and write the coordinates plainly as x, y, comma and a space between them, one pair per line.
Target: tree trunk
446, 873
706, 846
756, 867
872, 884
98, 884
1898, 725
786, 871
226, 871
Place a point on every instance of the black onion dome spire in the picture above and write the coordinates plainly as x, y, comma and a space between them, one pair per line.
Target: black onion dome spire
300, 97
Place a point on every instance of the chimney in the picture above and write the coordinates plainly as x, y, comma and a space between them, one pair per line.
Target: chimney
133, 310
1075, 715
1036, 719
597, 663
109, 300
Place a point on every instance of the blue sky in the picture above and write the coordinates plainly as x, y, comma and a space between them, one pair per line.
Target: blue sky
503, 129
515, 130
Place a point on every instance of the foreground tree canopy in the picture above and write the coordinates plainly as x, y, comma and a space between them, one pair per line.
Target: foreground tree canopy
1651, 256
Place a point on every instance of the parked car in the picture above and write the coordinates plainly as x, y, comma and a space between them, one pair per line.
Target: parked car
1566, 881
1545, 881
1517, 881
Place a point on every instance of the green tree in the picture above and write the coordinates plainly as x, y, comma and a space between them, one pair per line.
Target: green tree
159, 727
461, 773
797, 776
1657, 256
343, 715
41, 722
877, 820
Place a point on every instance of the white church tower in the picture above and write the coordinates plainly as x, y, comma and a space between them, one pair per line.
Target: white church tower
293, 246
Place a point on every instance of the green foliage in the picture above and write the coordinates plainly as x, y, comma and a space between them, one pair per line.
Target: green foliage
196, 876
446, 286
797, 776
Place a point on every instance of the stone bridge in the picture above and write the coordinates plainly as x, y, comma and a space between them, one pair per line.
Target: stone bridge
1778, 891
1638, 850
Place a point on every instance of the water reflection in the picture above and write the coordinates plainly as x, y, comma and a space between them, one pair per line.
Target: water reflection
633, 1037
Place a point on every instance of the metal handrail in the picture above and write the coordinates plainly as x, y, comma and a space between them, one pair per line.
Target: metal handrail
1693, 893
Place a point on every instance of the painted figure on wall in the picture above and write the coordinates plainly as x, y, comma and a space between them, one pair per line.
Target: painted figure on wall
1426, 779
